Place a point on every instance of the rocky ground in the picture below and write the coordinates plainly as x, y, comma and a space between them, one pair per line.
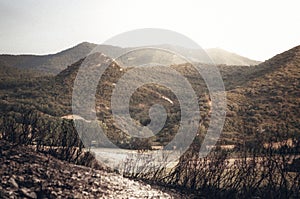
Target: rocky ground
25, 173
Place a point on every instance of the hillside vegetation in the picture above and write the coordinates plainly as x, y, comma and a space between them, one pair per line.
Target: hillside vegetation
259, 97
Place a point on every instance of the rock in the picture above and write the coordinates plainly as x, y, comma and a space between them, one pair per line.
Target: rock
29, 193
54, 193
36, 180
21, 178
13, 182
85, 193
94, 190
148, 187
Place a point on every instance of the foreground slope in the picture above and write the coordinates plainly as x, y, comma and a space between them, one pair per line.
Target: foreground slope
25, 173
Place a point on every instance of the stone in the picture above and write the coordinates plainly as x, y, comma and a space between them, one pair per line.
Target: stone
29, 193
13, 182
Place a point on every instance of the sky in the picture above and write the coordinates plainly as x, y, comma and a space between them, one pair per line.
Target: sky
257, 29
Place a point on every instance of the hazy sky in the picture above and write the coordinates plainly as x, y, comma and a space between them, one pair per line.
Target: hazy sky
257, 29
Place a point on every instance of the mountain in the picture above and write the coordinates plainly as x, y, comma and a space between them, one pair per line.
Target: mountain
54, 63
52, 97
212, 55
262, 111
263, 97
268, 104
220, 56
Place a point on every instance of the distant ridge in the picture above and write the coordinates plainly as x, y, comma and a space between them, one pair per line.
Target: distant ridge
220, 56
54, 63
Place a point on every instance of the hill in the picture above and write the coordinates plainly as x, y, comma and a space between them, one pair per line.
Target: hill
217, 56
55, 63
268, 104
263, 97
262, 110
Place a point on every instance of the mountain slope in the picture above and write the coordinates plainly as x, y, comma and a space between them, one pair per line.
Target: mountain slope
260, 98
269, 103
